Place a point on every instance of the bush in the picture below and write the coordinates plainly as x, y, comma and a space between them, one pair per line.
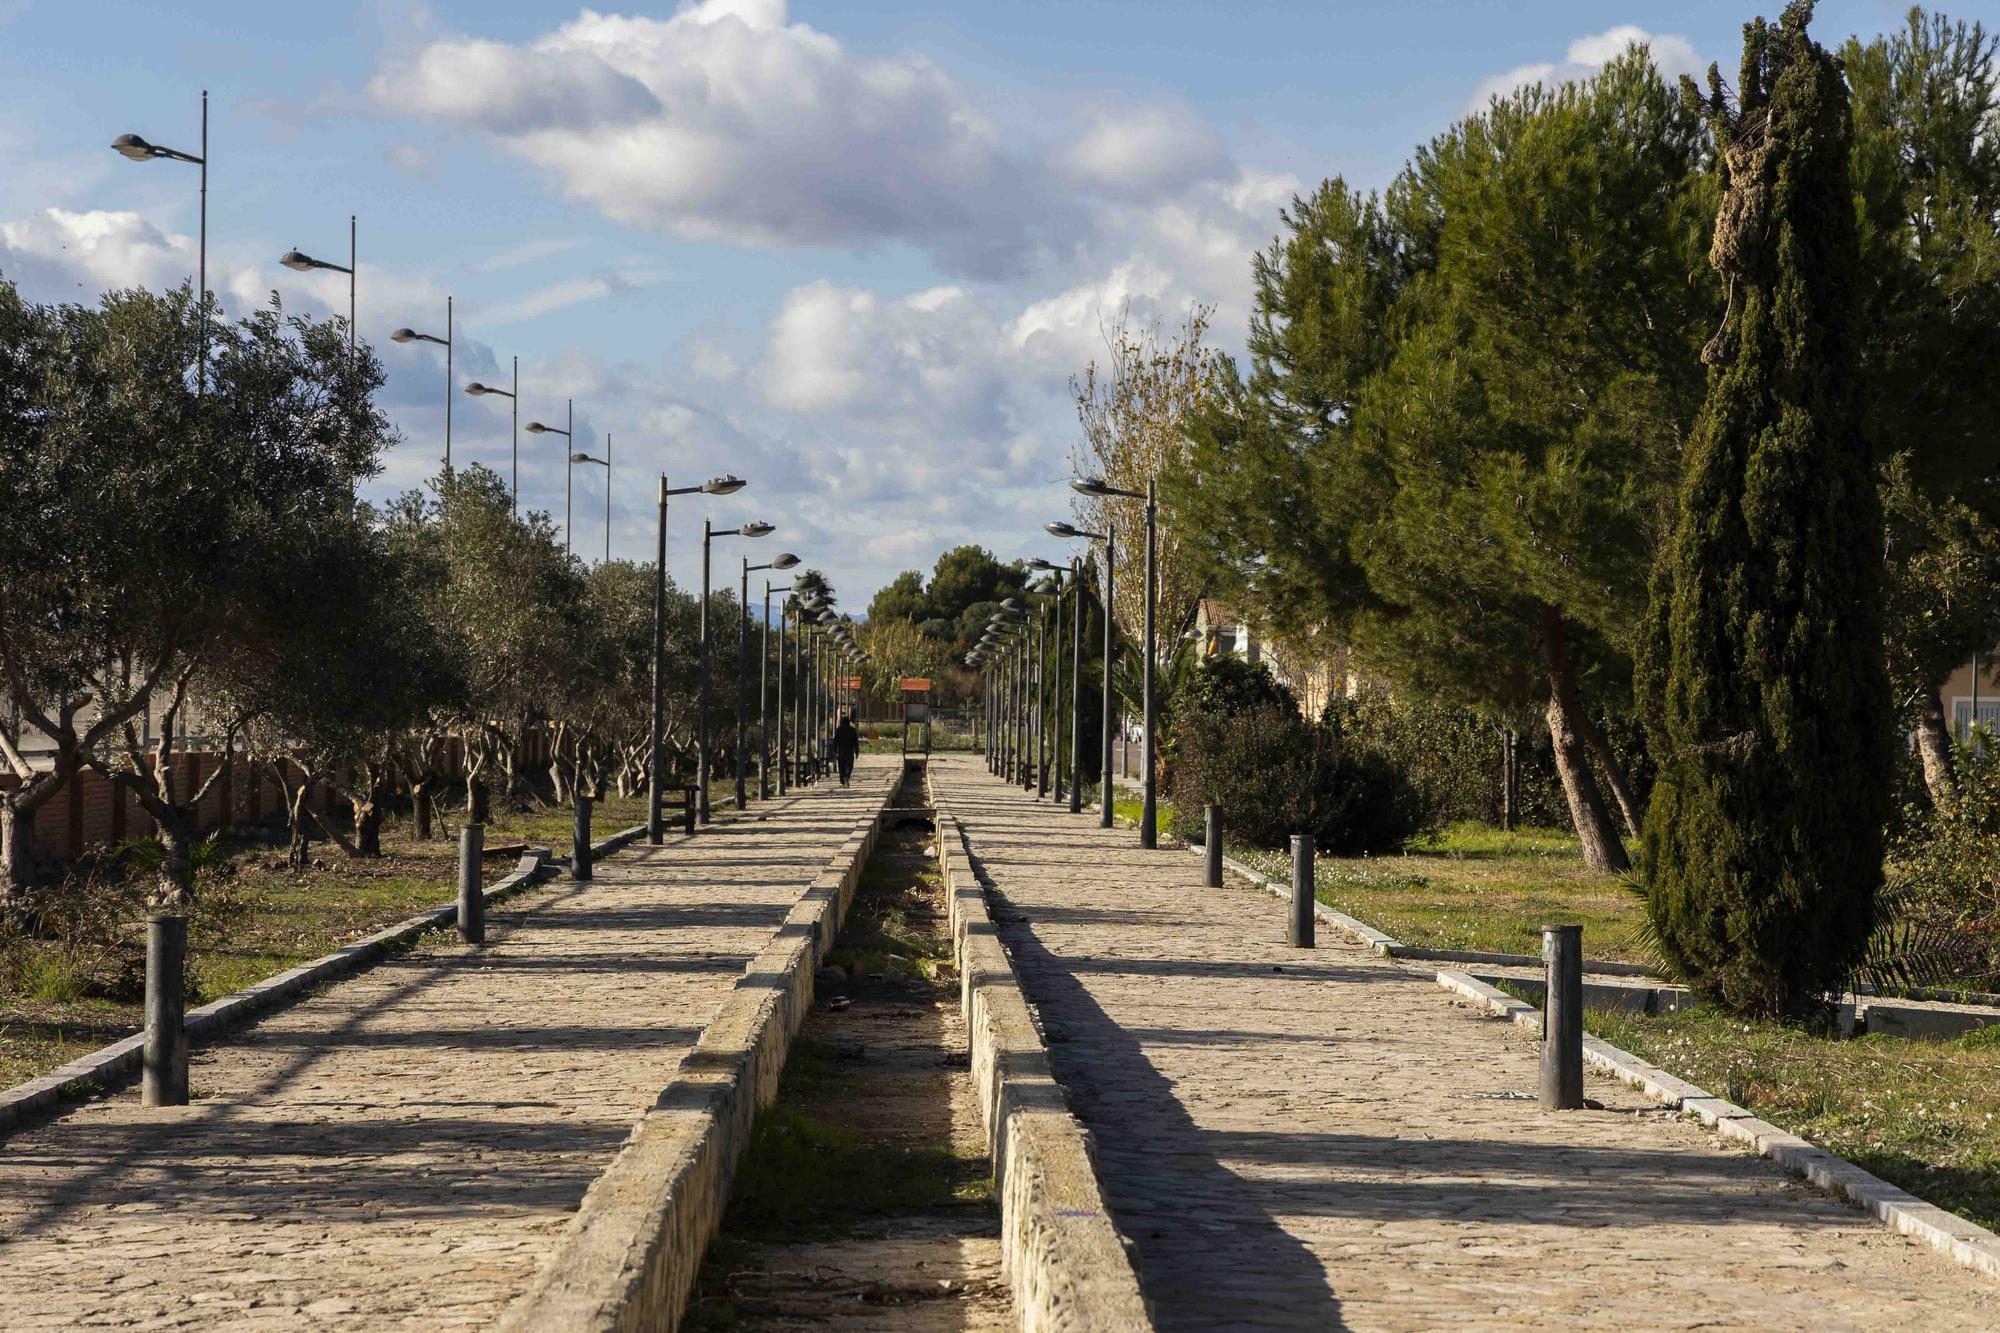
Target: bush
1944, 864
1276, 774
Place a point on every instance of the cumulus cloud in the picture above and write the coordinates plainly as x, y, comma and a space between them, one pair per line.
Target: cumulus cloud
728, 122
1142, 152
60, 255
1673, 54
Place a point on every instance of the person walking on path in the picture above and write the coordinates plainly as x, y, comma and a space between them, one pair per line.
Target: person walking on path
846, 745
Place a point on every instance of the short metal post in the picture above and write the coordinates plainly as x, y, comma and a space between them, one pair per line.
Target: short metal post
1211, 844
579, 848
471, 898
164, 1067
1299, 929
1562, 1018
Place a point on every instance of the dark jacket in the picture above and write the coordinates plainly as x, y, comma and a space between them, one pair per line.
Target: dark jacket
846, 741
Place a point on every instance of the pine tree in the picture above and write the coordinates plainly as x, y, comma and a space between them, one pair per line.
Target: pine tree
1766, 690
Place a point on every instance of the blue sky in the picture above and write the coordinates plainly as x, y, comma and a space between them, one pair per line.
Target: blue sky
852, 252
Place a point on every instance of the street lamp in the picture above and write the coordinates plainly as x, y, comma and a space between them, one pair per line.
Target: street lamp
764, 670
569, 471
785, 561
723, 485
1109, 539
1056, 573
408, 335
513, 397
1097, 487
300, 262
1075, 571
709, 532
138, 150
605, 463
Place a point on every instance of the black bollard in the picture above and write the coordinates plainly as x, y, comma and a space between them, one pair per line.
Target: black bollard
164, 1063
471, 899
1299, 929
579, 850
1562, 1018
1212, 844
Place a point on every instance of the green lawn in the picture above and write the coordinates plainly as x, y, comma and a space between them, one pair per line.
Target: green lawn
255, 918
1477, 887
1924, 1115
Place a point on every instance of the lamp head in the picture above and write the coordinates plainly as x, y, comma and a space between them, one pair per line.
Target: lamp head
477, 390
537, 428
298, 261
1011, 604
581, 458
785, 561
1091, 486
1039, 563
132, 146
1060, 529
756, 530
403, 336
723, 485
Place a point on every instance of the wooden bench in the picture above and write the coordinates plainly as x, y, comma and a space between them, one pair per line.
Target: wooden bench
688, 791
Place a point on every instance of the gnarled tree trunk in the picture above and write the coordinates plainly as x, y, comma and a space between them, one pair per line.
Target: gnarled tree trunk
1934, 749
1602, 849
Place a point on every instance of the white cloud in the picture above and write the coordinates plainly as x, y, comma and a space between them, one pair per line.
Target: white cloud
74, 256
528, 252
727, 122
1142, 152
1673, 54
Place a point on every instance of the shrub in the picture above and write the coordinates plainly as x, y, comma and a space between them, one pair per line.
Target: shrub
1944, 863
1276, 774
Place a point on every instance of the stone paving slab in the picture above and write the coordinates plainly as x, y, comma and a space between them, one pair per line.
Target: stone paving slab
402, 1149
1321, 1139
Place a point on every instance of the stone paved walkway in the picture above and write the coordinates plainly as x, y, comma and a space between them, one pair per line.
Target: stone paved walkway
1322, 1140
400, 1150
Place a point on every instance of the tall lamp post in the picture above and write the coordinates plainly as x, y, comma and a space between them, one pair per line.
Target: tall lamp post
1149, 835
1055, 573
709, 532
408, 335
300, 262
513, 397
569, 468
808, 607
785, 561
604, 462
763, 719
138, 150
1109, 540
656, 780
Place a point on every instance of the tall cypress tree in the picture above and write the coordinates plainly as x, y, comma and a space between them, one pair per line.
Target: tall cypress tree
1766, 689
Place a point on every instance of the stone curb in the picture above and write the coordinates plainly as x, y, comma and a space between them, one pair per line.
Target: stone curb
1064, 1258
109, 1066
628, 1258
1965, 1242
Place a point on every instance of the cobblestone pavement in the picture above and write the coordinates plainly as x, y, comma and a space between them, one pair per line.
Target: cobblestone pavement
401, 1149
1322, 1139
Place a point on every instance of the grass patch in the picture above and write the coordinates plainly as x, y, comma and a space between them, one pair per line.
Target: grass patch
553, 825
1924, 1115
62, 998
1474, 887
800, 1176
879, 935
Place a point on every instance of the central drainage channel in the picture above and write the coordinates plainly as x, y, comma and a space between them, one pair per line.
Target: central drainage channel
865, 1197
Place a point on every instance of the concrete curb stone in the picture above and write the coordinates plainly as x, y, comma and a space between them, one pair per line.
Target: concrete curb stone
110, 1066
1966, 1243
1069, 1267
629, 1256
